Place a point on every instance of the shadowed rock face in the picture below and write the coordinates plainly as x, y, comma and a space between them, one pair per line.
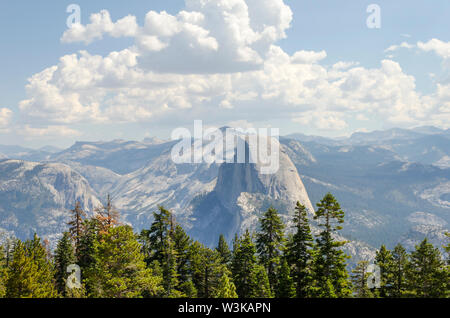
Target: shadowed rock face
242, 193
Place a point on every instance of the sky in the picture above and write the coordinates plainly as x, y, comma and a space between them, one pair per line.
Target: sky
136, 69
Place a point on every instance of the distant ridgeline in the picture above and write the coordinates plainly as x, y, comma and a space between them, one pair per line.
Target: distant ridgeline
109, 260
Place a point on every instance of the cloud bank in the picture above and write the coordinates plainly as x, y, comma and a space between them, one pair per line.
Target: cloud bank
219, 60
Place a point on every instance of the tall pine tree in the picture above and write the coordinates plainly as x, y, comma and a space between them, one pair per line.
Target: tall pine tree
64, 256
331, 277
426, 273
270, 243
299, 252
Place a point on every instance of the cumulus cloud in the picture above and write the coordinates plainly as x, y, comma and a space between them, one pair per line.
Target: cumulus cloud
100, 25
437, 46
308, 57
323, 120
219, 60
5, 117
395, 47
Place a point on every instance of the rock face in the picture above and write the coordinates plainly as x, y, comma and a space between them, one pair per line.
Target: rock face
162, 182
36, 198
242, 194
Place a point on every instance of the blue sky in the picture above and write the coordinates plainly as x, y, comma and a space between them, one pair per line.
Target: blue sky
251, 77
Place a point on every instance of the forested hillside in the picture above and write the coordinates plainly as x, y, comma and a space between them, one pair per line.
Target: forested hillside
163, 261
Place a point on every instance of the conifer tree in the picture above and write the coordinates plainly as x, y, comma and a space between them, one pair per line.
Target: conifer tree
330, 260
64, 256
299, 252
243, 266
359, 278
30, 273
385, 261
260, 285
182, 243
3, 271
223, 250
426, 275
225, 287
107, 216
120, 268
399, 268
76, 223
270, 243
154, 240
206, 269
285, 285
169, 267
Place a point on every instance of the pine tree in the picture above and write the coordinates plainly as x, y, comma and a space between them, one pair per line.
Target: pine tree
154, 240
76, 224
330, 260
243, 266
169, 267
30, 273
399, 269
182, 243
426, 274
270, 243
3, 271
64, 256
120, 268
225, 287
223, 250
359, 278
85, 254
299, 252
107, 216
206, 269
285, 285
385, 261
260, 285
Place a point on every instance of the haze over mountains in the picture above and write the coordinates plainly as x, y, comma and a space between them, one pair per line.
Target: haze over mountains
394, 186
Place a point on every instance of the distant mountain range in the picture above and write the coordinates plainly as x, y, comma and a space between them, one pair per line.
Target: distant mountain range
394, 186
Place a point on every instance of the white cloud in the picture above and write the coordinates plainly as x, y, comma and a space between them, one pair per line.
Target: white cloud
218, 60
100, 25
395, 47
5, 117
322, 120
308, 57
437, 46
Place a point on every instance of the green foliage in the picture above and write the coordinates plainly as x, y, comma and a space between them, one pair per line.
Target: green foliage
399, 269
164, 261
285, 284
329, 260
120, 270
225, 287
359, 278
30, 273
64, 256
223, 250
270, 243
426, 274
299, 252
243, 265
385, 261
